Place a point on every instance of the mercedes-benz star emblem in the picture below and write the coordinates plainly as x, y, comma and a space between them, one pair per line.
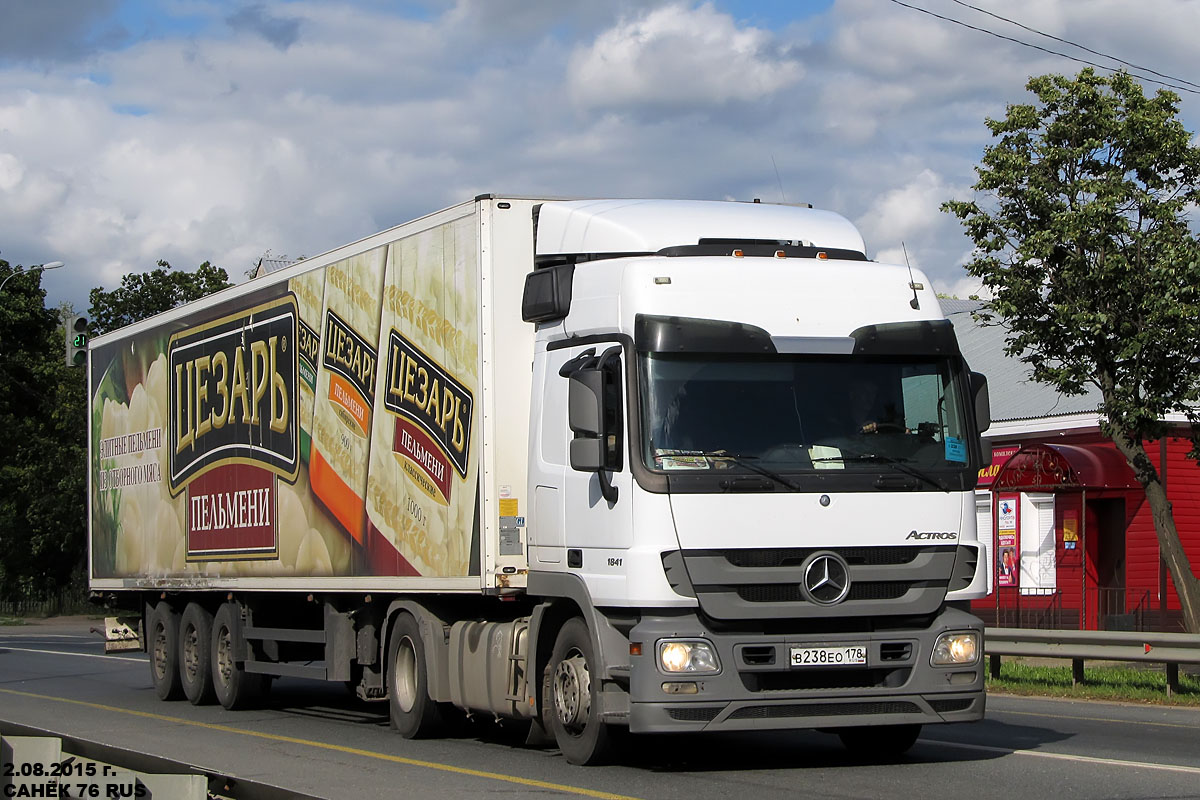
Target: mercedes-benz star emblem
826, 579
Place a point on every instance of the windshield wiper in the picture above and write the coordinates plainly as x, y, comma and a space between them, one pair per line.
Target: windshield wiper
747, 462
897, 463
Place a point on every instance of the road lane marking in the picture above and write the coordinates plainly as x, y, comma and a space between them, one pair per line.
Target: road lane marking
1112, 762
69, 653
1095, 719
496, 776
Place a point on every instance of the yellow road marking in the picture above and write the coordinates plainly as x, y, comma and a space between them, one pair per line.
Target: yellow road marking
412, 762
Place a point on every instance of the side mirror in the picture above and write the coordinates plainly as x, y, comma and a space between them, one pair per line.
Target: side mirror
585, 401
983, 406
594, 414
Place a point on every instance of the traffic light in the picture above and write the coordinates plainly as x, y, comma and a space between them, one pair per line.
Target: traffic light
77, 338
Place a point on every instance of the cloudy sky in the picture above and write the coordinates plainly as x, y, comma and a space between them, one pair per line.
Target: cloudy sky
219, 129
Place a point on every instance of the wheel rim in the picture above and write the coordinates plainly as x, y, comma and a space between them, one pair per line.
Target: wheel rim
404, 674
191, 652
160, 652
224, 657
572, 692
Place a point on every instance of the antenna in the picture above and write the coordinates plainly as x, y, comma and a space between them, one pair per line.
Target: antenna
914, 303
778, 179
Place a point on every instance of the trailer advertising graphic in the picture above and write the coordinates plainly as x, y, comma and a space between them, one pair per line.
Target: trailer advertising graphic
322, 425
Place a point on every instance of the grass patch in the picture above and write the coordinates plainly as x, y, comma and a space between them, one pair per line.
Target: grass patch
1119, 682
7, 620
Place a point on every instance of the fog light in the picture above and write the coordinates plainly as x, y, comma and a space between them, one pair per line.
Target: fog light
680, 687
687, 656
955, 649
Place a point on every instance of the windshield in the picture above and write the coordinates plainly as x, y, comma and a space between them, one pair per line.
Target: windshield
800, 414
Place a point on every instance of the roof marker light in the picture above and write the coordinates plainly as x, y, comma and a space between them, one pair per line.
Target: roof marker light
822, 254
780, 254
662, 280
737, 254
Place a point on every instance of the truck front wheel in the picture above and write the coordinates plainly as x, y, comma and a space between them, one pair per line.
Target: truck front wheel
195, 639
880, 741
575, 709
413, 713
163, 644
235, 687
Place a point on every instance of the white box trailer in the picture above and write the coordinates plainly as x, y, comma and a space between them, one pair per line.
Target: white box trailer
581, 463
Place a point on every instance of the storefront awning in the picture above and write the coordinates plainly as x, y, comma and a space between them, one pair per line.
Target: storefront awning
1064, 467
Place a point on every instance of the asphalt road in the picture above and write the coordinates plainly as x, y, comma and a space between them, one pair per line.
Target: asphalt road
316, 739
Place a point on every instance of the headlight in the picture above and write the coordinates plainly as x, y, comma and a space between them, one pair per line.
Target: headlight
955, 649
687, 656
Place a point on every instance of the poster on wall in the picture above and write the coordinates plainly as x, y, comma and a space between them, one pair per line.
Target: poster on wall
1000, 455
1007, 554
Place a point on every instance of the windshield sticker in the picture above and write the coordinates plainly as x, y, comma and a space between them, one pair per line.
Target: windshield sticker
683, 459
681, 462
956, 449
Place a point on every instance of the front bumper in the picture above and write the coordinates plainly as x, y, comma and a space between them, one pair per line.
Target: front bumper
757, 689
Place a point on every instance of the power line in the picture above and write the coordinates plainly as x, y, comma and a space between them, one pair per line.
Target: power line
1042, 49
1119, 60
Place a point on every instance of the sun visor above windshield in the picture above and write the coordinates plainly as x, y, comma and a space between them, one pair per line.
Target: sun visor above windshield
924, 338
647, 226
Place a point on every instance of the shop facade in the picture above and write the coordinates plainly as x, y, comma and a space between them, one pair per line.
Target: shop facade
1071, 539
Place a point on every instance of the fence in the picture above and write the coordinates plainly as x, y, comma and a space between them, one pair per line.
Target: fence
1169, 649
67, 601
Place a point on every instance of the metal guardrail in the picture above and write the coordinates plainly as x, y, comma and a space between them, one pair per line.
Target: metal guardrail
1169, 649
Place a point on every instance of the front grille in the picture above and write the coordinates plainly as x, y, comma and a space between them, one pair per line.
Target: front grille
794, 556
784, 593
822, 679
895, 651
824, 710
950, 706
762, 584
688, 714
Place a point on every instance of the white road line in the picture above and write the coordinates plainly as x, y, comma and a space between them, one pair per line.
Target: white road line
1112, 762
4, 636
68, 653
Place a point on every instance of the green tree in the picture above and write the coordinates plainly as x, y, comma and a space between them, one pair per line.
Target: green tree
42, 430
143, 294
1083, 240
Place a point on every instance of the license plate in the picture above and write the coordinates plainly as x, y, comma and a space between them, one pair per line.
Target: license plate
846, 655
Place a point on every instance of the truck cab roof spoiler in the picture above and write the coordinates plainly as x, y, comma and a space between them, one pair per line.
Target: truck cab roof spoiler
754, 248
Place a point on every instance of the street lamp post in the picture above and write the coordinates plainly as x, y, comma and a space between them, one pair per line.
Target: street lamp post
40, 268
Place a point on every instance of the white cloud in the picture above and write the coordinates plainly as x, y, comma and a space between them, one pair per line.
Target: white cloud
677, 57
218, 144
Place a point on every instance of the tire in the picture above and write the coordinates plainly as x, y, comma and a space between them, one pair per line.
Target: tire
574, 697
162, 644
880, 741
235, 688
412, 711
195, 661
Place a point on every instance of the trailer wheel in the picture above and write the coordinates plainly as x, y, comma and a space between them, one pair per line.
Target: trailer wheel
413, 713
195, 663
879, 741
575, 715
163, 644
235, 687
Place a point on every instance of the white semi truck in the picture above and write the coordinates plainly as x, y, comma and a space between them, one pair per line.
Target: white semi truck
601, 465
